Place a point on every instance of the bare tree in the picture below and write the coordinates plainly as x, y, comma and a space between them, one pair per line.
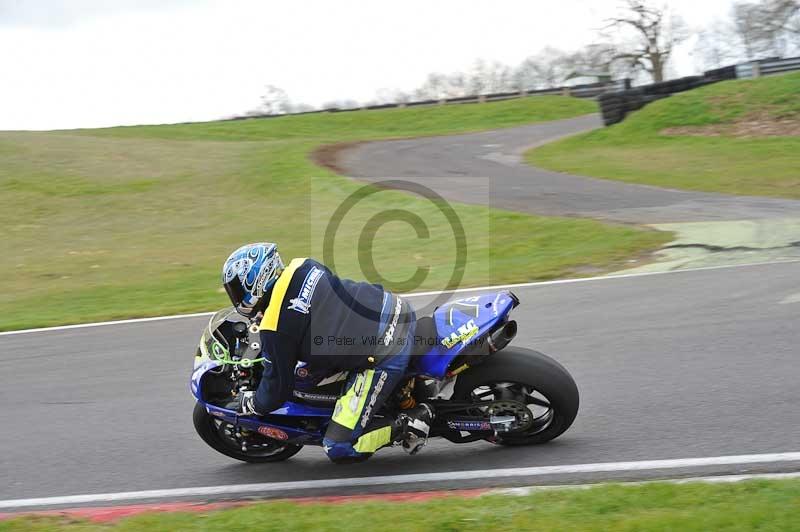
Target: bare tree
550, 66
275, 101
753, 30
301, 107
486, 77
438, 86
780, 16
718, 45
597, 57
344, 103
653, 31
383, 96
525, 76
458, 84
765, 28
753, 40
546, 69
768, 27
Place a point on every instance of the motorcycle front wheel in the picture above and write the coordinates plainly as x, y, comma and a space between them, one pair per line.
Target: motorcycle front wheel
530, 386
221, 436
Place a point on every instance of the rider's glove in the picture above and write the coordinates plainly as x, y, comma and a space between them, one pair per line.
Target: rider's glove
247, 404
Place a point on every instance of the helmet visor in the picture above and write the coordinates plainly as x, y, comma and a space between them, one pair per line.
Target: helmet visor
238, 297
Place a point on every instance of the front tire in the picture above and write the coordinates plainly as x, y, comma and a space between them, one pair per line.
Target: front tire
531, 375
214, 431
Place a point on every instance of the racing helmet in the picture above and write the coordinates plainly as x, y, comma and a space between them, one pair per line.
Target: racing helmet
248, 273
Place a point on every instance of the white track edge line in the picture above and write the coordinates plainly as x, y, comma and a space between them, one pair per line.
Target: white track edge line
271, 487
716, 479
601, 278
103, 323
420, 294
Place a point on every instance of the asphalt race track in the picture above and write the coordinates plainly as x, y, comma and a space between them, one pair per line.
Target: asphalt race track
487, 167
678, 365
687, 364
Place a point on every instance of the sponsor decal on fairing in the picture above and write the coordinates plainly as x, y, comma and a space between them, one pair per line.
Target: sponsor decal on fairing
464, 333
469, 425
272, 432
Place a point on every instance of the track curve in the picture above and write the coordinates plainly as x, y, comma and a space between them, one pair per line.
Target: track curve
450, 165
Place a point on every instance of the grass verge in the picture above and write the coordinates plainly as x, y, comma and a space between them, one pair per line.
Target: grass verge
136, 221
637, 150
752, 505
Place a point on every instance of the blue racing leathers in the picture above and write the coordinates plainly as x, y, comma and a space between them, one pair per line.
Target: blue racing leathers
333, 325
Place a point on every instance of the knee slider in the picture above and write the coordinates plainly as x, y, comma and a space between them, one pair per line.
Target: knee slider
340, 451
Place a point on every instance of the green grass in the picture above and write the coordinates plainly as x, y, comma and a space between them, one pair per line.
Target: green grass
754, 505
363, 125
136, 221
636, 151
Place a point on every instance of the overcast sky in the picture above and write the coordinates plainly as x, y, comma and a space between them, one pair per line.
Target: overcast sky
88, 63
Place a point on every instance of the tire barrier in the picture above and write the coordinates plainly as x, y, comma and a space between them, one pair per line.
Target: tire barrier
720, 74
614, 106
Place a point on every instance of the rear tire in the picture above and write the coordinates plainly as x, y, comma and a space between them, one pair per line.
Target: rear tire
207, 427
531, 369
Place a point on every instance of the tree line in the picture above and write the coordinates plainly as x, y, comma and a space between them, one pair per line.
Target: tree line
638, 42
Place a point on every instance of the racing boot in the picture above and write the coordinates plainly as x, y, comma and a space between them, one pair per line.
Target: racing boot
416, 424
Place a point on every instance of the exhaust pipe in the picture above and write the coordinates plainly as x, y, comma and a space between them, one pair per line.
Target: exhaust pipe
502, 336
495, 341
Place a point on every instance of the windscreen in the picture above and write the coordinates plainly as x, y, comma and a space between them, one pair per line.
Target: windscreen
213, 343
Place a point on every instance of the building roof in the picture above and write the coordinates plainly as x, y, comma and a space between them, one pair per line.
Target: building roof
588, 73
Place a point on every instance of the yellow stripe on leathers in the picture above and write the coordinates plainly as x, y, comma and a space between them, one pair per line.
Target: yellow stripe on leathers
349, 406
273, 312
372, 441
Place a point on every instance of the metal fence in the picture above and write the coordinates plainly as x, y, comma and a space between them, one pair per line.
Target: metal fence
591, 90
767, 67
616, 98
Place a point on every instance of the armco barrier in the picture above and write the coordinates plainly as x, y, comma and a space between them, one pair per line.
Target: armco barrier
767, 67
780, 66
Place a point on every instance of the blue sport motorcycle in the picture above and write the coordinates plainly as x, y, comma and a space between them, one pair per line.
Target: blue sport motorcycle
461, 365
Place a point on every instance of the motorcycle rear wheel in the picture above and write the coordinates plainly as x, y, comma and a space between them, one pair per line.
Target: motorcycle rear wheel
213, 431
523, 376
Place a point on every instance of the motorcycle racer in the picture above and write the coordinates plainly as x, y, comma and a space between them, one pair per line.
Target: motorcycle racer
309, 314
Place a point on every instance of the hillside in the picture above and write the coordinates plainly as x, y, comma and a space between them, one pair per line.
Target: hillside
737, 137
136, 221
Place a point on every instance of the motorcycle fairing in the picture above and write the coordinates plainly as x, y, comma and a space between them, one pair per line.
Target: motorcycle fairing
463, 321
203, 365
459, 324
